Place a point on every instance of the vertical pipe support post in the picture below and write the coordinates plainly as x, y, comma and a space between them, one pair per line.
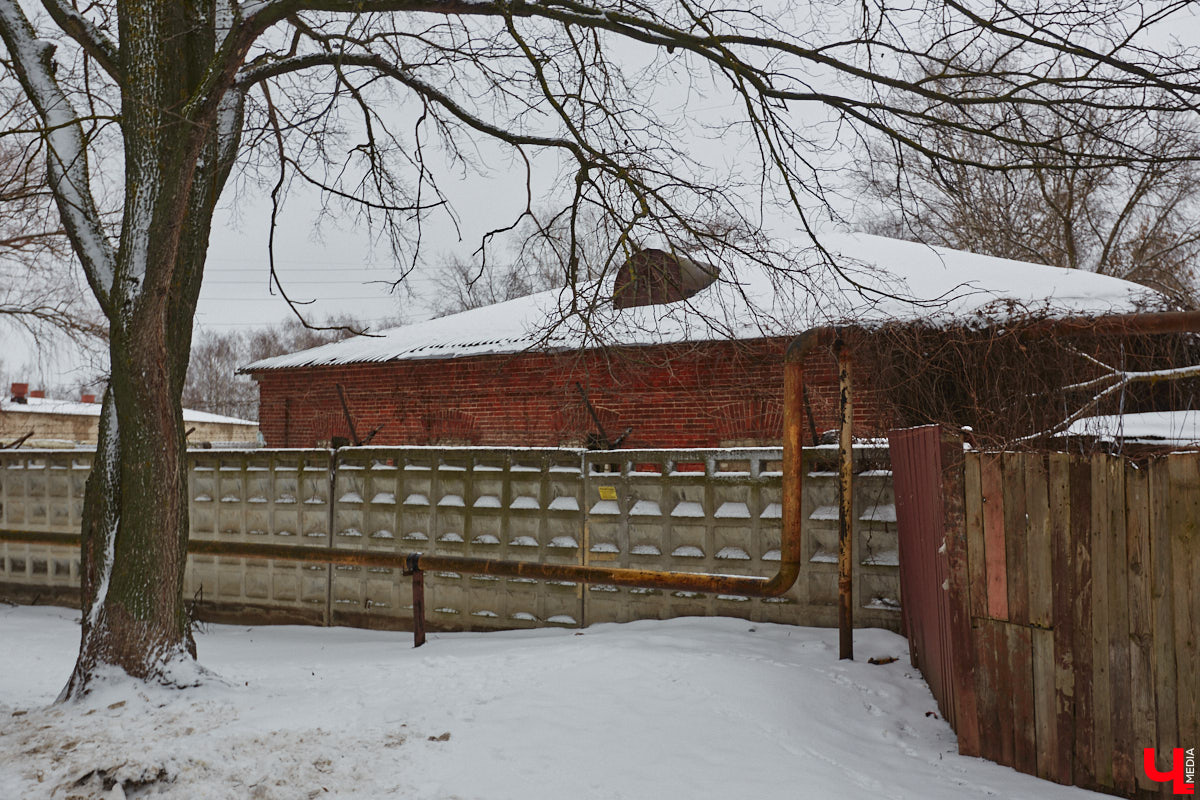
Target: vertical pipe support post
845, 503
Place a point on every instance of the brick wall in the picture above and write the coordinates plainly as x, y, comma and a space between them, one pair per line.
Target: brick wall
712, 394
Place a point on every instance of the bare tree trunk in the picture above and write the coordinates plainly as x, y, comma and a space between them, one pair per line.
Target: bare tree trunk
135, 516
135, 526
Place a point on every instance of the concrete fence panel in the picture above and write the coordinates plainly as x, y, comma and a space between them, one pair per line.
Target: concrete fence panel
716, 510
275, 496
42, 491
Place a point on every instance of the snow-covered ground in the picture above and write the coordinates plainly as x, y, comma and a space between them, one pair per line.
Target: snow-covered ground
689, 708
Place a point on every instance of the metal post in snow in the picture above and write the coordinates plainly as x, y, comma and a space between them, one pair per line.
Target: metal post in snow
418, 590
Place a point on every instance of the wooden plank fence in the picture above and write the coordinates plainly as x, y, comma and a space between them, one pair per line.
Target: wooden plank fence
1077, 576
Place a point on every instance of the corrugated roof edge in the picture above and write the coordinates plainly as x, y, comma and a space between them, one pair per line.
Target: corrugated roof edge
973, 289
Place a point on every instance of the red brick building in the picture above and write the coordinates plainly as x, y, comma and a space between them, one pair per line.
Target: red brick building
694, 395
702, 371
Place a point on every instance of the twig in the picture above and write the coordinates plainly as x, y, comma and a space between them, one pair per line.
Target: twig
17, 443
350, 420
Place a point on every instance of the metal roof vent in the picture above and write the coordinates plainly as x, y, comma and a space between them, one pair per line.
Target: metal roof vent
653, 277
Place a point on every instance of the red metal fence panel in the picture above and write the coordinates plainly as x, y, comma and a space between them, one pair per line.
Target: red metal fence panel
924, 567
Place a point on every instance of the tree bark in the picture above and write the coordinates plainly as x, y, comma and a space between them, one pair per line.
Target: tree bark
135, 516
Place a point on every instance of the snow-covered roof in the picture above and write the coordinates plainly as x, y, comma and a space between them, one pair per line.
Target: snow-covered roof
45, 405
1171, 428
876, 280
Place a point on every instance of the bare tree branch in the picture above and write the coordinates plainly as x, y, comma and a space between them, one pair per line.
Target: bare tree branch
66, 148
93, 40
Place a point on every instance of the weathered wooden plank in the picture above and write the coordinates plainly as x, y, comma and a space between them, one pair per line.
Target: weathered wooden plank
1020, 651
1141, 676
1120, 693
966, 721
1102, 732
1045, 712
986, 692
1015, 536
1185, 562
1005, 711
1038, 553
992, 478
976, 554
1081, 535
1162, 651
1063, 554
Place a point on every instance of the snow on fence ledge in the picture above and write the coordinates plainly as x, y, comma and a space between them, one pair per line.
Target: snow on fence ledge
681, 510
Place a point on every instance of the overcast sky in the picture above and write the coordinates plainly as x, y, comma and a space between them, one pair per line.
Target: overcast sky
330, 259
338, 268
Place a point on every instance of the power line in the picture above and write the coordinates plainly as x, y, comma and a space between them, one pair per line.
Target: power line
282, 263
294, 300
288, 283
329, 266
316, 323
284, 276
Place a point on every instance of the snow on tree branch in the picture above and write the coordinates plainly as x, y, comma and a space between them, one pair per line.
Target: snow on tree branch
87, 35
1117, 381
66, 154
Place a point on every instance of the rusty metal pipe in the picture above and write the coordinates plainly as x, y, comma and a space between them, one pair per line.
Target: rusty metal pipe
1110, 325
1115, 324
425, 562
753, 586
1161, 322
418, 606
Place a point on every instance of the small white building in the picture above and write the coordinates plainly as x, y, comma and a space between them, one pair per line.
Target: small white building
46, 422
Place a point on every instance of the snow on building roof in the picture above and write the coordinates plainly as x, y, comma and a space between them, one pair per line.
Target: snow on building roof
43, 405
1171, 428
876, 280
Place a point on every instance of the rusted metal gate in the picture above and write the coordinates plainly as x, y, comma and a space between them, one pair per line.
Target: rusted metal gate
922, 501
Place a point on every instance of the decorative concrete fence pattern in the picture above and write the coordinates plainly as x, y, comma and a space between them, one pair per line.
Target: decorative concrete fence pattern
683, 510
277, 496
42, 491
512, 504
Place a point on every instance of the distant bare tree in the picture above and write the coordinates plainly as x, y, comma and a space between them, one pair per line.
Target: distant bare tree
539, 257
1075, 207
460, 285
213, 384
